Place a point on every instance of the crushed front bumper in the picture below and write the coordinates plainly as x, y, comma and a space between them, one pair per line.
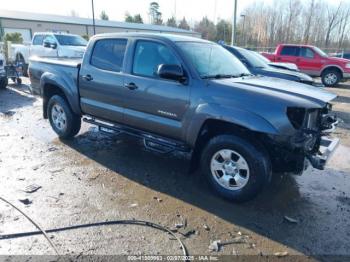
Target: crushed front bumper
327, 148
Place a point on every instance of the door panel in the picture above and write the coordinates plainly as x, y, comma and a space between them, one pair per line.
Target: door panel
156, 106
309, 61
153, 104
101, 81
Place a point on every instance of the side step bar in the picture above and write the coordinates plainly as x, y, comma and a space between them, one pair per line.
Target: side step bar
151, 141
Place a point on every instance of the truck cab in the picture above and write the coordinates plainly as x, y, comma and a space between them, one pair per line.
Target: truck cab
57, 45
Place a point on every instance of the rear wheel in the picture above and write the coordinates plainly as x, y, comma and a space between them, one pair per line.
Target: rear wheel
331, 77
20, 59
235, 168
63, 120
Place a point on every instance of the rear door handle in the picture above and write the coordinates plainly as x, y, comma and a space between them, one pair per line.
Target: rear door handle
88, 78
131, 86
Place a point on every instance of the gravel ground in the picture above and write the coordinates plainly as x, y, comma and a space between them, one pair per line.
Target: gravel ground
96, 178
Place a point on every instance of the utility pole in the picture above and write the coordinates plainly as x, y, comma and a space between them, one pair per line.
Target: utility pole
234, 23
243, 33
215, 6
93, 16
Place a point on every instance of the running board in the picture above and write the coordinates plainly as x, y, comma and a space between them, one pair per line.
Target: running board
151, 141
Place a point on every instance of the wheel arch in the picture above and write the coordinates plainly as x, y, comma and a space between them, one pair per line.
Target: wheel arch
214, 127
50, 85
332, 67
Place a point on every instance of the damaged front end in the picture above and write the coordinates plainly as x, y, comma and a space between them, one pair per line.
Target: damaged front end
312, 139
309, 143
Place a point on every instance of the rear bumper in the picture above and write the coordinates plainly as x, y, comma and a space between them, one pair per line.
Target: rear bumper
327, 148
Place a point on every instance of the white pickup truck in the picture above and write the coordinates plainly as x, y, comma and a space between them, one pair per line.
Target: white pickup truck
50, 45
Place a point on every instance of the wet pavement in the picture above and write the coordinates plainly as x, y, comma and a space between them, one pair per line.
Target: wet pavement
97, 177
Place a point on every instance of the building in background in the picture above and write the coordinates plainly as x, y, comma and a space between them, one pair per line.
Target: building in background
29, 23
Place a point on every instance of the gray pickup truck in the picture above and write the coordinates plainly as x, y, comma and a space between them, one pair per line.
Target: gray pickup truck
187, 94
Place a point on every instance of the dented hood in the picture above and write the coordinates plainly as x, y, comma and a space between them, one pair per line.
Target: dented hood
288, 87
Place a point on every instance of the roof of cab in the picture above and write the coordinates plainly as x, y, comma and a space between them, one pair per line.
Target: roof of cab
162, 36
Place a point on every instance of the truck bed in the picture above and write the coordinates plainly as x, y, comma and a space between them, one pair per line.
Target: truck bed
65, 61
68, 68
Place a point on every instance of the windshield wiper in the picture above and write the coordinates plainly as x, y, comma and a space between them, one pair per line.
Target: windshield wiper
218, 76
242, 75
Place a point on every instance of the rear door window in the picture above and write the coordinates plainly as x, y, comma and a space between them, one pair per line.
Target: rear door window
290, 51
38, 39
108, 54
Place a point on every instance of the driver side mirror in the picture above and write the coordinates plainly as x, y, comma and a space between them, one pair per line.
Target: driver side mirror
171, 72
49, 45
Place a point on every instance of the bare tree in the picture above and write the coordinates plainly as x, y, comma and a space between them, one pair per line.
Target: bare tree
332, 20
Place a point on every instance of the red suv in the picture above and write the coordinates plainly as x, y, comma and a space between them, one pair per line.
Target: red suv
314, 62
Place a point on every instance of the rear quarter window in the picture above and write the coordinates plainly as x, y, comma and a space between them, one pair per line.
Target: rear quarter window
108, 54
38, 39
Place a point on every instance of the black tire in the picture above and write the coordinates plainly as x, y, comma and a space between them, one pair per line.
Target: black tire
259, 168
20, 59
331, 77
72, 123
3, 83
25, 70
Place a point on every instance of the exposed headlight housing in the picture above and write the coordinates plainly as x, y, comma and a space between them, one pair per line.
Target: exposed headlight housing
311, 121
302, 118
296, 116
347, 65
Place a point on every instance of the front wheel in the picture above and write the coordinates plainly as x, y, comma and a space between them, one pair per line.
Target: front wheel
63, 120
331, 77
235, 168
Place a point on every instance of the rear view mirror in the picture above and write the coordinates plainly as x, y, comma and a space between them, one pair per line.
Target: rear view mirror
172, 72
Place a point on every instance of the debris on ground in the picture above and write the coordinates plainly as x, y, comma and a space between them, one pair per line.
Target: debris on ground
188, 233
32, 188
52, 149
134, 205
25, 201
56, 170
206, 227
179, 225
281, 254
217, 244
158, 199
291, 220
94, 177
36, 167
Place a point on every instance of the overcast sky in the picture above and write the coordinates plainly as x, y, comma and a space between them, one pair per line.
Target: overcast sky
193, 10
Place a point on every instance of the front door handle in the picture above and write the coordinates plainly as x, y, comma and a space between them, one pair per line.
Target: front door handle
131, 86
88, 77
